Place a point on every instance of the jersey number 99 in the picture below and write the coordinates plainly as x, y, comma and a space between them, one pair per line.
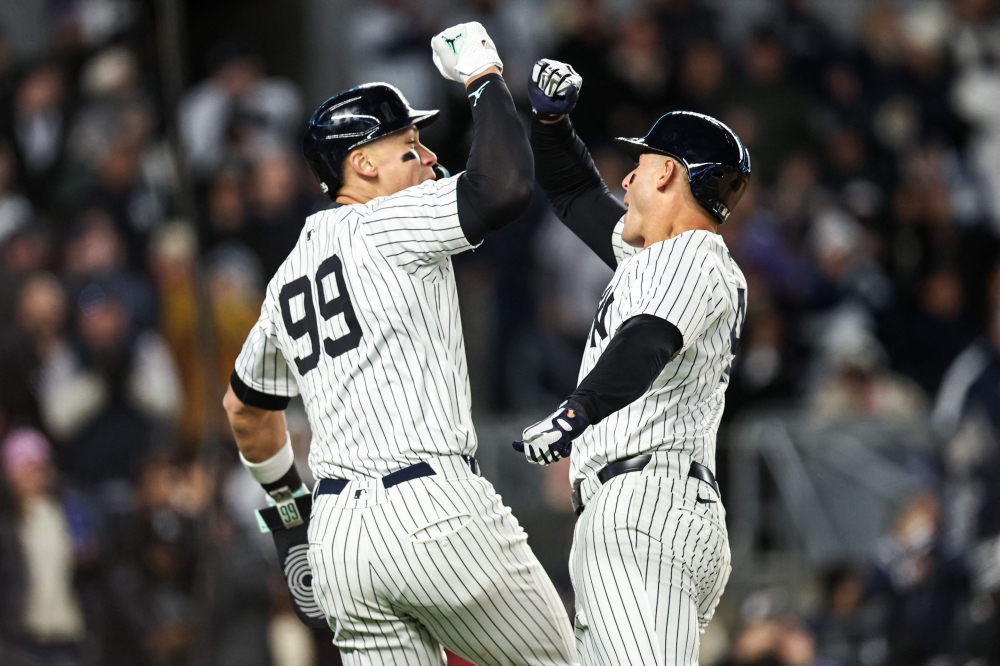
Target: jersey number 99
328, 308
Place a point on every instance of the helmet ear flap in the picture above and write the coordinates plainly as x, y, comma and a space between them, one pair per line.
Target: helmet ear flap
329, 179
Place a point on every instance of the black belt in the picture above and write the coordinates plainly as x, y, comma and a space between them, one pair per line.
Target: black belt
634, 464
419, 470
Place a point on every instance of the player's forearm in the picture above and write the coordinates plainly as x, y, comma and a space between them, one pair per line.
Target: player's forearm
259, 433
634, 358
574, 186
496, 187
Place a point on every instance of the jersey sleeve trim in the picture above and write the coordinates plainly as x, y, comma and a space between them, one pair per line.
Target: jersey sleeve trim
255, 398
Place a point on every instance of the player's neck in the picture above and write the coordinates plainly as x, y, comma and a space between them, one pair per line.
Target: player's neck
353, 196
673, 223
350, 200
355, 193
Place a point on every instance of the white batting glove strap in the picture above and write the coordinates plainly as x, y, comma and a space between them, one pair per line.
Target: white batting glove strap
464, 50
555, 78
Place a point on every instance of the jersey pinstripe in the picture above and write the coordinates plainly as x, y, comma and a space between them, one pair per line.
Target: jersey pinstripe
362, 320
651, 554
649, 565
436, 561
691, 281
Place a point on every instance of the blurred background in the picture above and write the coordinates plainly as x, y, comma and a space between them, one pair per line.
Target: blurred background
151, 182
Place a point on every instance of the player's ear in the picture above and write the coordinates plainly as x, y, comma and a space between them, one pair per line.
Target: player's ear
360, 162
665, 173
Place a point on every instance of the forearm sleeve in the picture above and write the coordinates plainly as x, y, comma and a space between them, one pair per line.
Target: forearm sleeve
578, 195
634, 358
496, 187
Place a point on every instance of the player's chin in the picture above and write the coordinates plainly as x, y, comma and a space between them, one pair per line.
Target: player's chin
630, 232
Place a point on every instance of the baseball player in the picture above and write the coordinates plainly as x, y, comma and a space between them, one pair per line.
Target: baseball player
650, 554
408, 548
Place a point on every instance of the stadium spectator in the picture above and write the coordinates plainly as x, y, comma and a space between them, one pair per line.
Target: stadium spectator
237, 112
153, 610
107, 395
847, 630
36, 127
782, 642
586, 44
279, 205
131, 269
46, 535
921, 583
388, 41
766, 108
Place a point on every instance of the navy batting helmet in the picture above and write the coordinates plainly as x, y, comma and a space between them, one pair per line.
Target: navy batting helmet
717, 162
352, 118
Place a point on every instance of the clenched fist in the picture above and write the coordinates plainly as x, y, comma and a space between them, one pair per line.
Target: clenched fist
464, 50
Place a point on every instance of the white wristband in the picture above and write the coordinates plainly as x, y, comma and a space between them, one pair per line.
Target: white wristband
274, 467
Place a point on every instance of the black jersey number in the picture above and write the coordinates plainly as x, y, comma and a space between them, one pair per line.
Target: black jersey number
734, 335
328, 308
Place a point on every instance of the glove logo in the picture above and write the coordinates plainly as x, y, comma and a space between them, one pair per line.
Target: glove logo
475, 95
451, 42
299, 576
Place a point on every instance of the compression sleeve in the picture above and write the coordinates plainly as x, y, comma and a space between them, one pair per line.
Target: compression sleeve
574, 187
496, 187
633, 359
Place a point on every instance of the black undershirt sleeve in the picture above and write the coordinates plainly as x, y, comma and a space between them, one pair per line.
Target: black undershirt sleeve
634, 358
578, 195
496, 187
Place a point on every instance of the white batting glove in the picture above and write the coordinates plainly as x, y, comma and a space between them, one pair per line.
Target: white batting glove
551, 439
464, 50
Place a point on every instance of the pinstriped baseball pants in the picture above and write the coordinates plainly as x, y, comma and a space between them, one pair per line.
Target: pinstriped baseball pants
649, 565
437, 561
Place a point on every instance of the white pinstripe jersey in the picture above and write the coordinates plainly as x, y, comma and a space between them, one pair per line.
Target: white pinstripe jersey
362, 320
691, 281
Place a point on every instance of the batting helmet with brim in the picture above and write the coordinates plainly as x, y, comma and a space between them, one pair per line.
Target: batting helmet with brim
353, 118
717, 162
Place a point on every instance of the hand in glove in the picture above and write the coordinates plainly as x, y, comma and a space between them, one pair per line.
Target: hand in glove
551, 439
464, 50
553, 89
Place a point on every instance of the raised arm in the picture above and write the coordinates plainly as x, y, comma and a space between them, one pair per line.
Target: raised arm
496, 187
574, 187
565, 169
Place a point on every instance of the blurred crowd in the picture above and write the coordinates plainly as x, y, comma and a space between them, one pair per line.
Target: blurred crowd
137, 233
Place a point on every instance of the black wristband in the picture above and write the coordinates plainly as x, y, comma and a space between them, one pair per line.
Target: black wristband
290, 481
580, 407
